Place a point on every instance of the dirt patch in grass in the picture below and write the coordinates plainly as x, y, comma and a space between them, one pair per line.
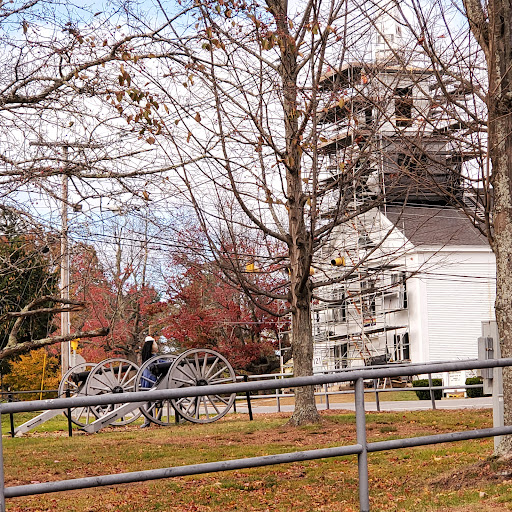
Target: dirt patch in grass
481, 506
480, 474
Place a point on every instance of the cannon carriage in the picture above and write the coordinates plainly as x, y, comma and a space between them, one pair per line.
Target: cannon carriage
194, 367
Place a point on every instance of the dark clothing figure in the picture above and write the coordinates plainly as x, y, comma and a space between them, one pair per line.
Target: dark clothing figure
149, 349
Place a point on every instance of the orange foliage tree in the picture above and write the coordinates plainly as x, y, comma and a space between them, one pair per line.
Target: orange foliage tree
33, 371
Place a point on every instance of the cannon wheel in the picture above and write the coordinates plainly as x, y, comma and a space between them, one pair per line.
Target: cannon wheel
201, 367
114, 375
162, 411
80, 416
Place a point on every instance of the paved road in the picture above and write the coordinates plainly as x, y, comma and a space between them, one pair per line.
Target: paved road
409, 405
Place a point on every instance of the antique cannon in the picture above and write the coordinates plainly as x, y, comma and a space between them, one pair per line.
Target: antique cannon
195, 367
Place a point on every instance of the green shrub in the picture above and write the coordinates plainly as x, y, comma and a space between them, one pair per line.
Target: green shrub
474, 392
425, 394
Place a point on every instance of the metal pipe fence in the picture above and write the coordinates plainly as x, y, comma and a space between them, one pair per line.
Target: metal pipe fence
279, 395
362, 448
325, 393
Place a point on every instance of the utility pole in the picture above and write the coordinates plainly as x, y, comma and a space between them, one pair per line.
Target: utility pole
65, 320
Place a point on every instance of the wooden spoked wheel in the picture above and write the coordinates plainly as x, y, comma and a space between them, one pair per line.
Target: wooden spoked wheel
201, 367
114, 375
151, 375
74, 381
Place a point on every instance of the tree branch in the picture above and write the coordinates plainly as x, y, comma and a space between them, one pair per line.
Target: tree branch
34, 344
478, 23
27, 311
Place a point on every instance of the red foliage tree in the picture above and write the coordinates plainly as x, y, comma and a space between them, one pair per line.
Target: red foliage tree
209, 312
118, 301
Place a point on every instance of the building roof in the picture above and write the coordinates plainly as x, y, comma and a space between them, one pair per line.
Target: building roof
435, 225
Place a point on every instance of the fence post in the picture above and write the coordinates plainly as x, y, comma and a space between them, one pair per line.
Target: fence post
327, 404
278, 391
362, 458
11, 415
377, 399
70, 426
248, 396
432, 394
2, 482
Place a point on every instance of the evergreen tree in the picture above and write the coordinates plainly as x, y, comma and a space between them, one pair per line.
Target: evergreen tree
25, 273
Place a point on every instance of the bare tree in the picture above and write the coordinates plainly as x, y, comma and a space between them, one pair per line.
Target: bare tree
62, 77
62, 73
134, 300
257, 93
248, 106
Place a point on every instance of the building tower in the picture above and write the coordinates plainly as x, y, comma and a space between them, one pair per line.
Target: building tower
391, 140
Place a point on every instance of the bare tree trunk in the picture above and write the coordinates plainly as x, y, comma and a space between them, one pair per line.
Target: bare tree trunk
493, 30
500, 149
502, 168
302, 350
299, 245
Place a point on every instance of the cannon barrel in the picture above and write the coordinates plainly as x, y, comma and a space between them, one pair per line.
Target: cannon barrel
159, 369
82, 376
79, 377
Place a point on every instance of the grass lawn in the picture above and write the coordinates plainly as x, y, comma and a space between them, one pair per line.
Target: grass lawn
450, 477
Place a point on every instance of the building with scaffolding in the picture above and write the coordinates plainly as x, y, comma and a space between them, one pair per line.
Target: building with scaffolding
412, 277
423, 281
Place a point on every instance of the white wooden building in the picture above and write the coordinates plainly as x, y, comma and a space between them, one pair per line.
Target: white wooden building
425, 283
412, 279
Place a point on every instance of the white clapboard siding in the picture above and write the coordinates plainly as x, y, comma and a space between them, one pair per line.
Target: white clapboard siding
457, 305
